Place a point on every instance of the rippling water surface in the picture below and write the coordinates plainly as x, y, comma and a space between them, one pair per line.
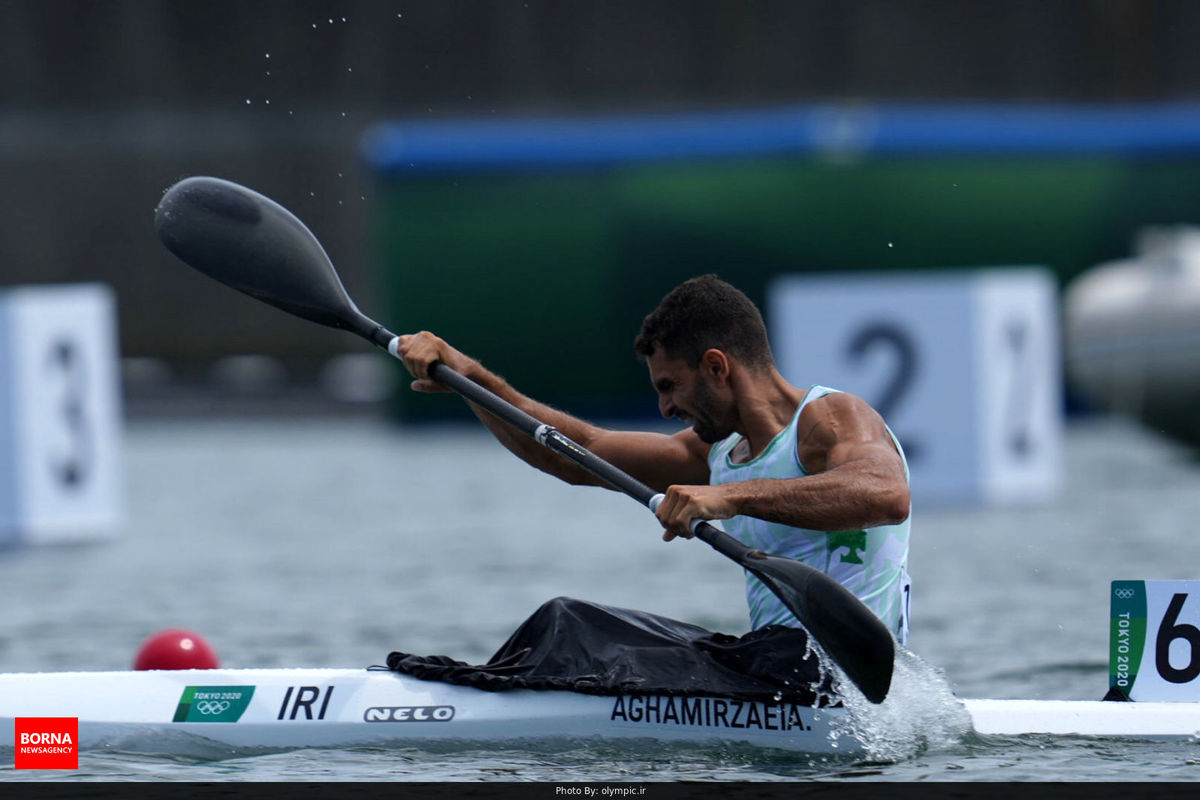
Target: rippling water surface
331, 542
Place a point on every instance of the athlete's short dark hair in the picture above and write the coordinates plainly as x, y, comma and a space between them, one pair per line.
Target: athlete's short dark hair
703, 313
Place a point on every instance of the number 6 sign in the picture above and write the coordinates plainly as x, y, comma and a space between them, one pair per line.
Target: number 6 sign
1154, 643
964, 366
59, 413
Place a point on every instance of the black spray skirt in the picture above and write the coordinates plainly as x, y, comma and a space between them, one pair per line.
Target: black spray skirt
584, 647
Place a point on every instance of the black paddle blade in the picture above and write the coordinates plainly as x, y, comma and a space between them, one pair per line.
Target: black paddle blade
848, 631
250, 242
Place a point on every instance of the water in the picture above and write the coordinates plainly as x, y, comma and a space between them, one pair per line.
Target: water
331, 542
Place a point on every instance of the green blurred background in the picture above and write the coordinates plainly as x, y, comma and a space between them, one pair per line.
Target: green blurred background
544, 272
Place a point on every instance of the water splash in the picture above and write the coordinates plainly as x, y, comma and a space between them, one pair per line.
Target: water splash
920, 713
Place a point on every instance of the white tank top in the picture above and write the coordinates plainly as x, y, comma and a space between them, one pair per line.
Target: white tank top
871, 563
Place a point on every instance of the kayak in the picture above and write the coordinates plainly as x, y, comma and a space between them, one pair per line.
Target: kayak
294, 708
289, 708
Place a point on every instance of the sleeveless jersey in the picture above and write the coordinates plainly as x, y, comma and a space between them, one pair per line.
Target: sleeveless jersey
871, 563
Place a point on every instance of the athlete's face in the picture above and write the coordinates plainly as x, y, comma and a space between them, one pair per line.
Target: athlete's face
686, 394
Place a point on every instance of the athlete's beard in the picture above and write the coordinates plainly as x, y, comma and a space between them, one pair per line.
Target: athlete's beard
705, 424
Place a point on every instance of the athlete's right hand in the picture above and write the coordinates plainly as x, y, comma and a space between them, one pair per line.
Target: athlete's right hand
419, 351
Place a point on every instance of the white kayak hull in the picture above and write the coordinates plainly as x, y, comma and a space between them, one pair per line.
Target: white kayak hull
286, 708
1154, 721
291, 708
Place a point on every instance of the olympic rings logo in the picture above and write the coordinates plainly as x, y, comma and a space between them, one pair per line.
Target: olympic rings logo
1124, 594
212, 706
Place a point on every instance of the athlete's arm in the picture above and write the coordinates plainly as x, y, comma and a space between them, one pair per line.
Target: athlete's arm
656, 459
856, 478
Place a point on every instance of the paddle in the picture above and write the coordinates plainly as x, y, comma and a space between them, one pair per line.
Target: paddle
255, 245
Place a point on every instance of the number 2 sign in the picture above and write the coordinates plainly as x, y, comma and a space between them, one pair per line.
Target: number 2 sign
964, 367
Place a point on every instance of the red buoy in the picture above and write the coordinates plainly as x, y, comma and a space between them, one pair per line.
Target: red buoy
175, 648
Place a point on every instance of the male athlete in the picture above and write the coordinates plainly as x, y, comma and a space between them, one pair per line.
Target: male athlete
811, 474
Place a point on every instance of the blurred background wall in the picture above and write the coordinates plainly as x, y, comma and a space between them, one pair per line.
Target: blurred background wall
105, 104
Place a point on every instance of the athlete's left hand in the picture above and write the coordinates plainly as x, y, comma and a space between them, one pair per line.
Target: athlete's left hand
682, 504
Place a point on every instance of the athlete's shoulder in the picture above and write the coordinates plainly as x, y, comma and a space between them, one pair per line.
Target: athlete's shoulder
825, 404
836, 420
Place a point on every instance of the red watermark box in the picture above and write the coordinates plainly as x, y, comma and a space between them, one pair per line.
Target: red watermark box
46, 743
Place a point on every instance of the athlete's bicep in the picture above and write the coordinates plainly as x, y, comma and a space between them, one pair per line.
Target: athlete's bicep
656, 459
858, 458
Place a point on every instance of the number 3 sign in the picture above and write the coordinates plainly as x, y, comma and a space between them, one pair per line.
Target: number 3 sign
964, 366
59, 413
